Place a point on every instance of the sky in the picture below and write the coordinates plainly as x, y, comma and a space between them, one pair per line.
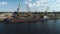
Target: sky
39, 5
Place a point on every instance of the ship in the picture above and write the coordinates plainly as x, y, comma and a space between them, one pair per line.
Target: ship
17, 18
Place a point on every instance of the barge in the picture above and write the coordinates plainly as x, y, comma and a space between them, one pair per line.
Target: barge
23, 20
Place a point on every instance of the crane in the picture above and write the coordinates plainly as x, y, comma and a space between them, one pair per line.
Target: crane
18, 9
46, 10
28, 10
45, 14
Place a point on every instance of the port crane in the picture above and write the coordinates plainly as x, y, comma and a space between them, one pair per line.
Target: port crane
18, 9
45, 14
16, 13
28, 10
46, 10
55, 14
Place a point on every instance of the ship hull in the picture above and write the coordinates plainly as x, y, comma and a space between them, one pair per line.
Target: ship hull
23, 20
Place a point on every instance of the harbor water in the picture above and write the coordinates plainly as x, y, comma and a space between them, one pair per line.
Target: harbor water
42, 27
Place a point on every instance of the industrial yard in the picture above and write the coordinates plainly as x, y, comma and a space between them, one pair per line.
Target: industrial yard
28, 14
4, 15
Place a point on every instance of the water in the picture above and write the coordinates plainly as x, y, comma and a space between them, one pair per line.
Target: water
42, 27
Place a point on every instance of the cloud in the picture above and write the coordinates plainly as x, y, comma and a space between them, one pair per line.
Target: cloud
52, 4
36, 4
39, 3
58, 0
46, 0
43, 0
30, 5
28, 0
3, 3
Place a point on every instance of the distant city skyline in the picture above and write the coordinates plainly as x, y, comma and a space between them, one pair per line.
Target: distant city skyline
40, 5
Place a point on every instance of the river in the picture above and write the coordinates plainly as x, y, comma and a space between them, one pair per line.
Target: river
42, 27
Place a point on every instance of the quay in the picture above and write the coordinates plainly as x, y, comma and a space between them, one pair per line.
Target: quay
51, 16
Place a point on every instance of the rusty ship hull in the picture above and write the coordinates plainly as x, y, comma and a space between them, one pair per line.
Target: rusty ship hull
23, 20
